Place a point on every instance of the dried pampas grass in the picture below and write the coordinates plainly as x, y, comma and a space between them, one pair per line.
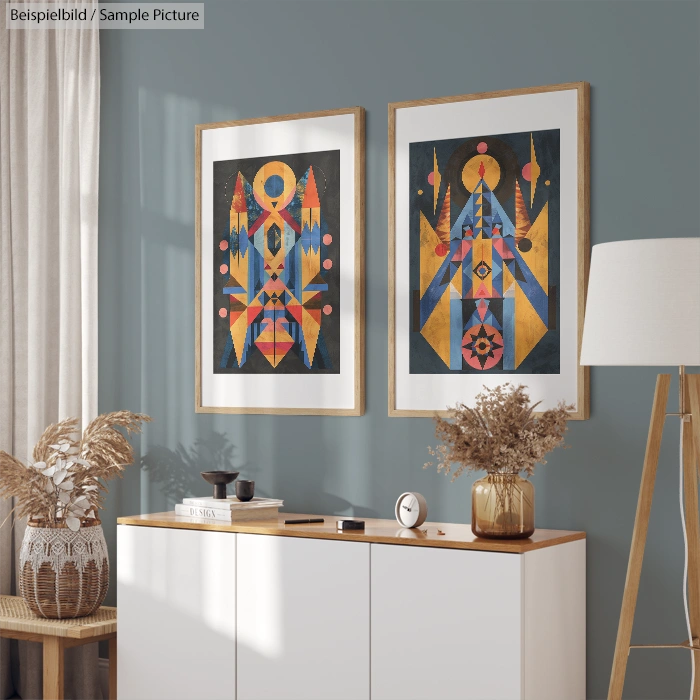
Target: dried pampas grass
500, 434
65, 483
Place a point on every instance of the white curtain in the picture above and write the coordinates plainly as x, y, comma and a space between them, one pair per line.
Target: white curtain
49, 141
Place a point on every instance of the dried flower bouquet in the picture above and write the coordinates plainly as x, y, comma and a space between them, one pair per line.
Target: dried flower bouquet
500, 435
65, 482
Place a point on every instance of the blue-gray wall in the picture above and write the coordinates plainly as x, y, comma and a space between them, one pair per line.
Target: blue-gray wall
264, 58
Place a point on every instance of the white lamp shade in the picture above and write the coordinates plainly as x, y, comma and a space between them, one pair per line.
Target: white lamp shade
643, 305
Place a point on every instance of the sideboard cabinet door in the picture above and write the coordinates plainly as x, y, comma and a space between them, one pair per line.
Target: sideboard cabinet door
446, 624
303, 619
176, 614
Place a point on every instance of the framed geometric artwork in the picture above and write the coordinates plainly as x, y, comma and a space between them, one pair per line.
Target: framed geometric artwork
488, 247
279, 263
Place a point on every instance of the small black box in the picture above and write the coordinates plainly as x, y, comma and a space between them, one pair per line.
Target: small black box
351, 524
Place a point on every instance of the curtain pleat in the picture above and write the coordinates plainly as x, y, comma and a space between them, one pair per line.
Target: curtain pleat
49, 147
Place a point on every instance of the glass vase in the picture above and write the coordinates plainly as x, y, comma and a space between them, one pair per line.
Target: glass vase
503, 506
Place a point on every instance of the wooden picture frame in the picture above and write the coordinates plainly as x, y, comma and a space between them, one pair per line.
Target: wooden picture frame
471, 123
337, 385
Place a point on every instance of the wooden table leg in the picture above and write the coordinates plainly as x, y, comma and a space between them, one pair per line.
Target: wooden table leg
113, 668
53, 668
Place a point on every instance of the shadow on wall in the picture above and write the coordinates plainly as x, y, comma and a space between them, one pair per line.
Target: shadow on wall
177, 472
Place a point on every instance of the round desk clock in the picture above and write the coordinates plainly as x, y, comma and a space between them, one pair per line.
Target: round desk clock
411, 509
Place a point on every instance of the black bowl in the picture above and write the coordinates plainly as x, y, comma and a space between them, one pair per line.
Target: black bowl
219, 480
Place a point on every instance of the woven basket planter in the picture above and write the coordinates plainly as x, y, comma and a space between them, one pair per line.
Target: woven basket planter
63, 574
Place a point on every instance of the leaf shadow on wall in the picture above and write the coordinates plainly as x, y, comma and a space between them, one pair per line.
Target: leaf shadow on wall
177, 472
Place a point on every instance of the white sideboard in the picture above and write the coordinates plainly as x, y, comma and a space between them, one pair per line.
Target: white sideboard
263, 611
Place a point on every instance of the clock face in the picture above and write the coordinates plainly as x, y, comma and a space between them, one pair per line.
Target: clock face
408, 510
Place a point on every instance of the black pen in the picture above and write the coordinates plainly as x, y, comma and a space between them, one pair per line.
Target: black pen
304, 521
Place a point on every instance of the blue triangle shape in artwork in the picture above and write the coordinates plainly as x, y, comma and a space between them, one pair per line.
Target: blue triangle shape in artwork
306, 238
499, 215
492, 321
462, 218
474, 320
315, 238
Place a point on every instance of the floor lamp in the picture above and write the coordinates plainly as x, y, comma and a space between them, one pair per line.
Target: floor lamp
643, 308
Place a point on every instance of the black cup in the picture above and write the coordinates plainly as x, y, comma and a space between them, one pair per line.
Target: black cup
245, 489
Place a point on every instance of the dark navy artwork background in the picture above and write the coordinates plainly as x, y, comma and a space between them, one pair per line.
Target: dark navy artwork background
545, 356
326, 163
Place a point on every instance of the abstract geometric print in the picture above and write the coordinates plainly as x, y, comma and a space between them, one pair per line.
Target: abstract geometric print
484, 254
276, 279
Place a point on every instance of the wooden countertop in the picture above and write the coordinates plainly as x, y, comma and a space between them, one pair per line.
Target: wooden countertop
377, 531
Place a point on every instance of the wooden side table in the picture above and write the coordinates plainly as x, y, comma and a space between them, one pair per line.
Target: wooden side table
17, 621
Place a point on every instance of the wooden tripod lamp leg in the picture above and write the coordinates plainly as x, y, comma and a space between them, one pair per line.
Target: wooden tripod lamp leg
692, 522
693, 403
639, 537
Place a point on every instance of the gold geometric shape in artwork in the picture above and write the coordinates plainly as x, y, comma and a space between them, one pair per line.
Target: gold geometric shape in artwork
522, 220
310, 266
430, 261
534, 171
436, 329
473, 169
537, 257
529, 329
437, 178
274, 186
311, 326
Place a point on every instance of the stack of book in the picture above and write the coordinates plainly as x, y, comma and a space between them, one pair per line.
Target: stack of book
229, 509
